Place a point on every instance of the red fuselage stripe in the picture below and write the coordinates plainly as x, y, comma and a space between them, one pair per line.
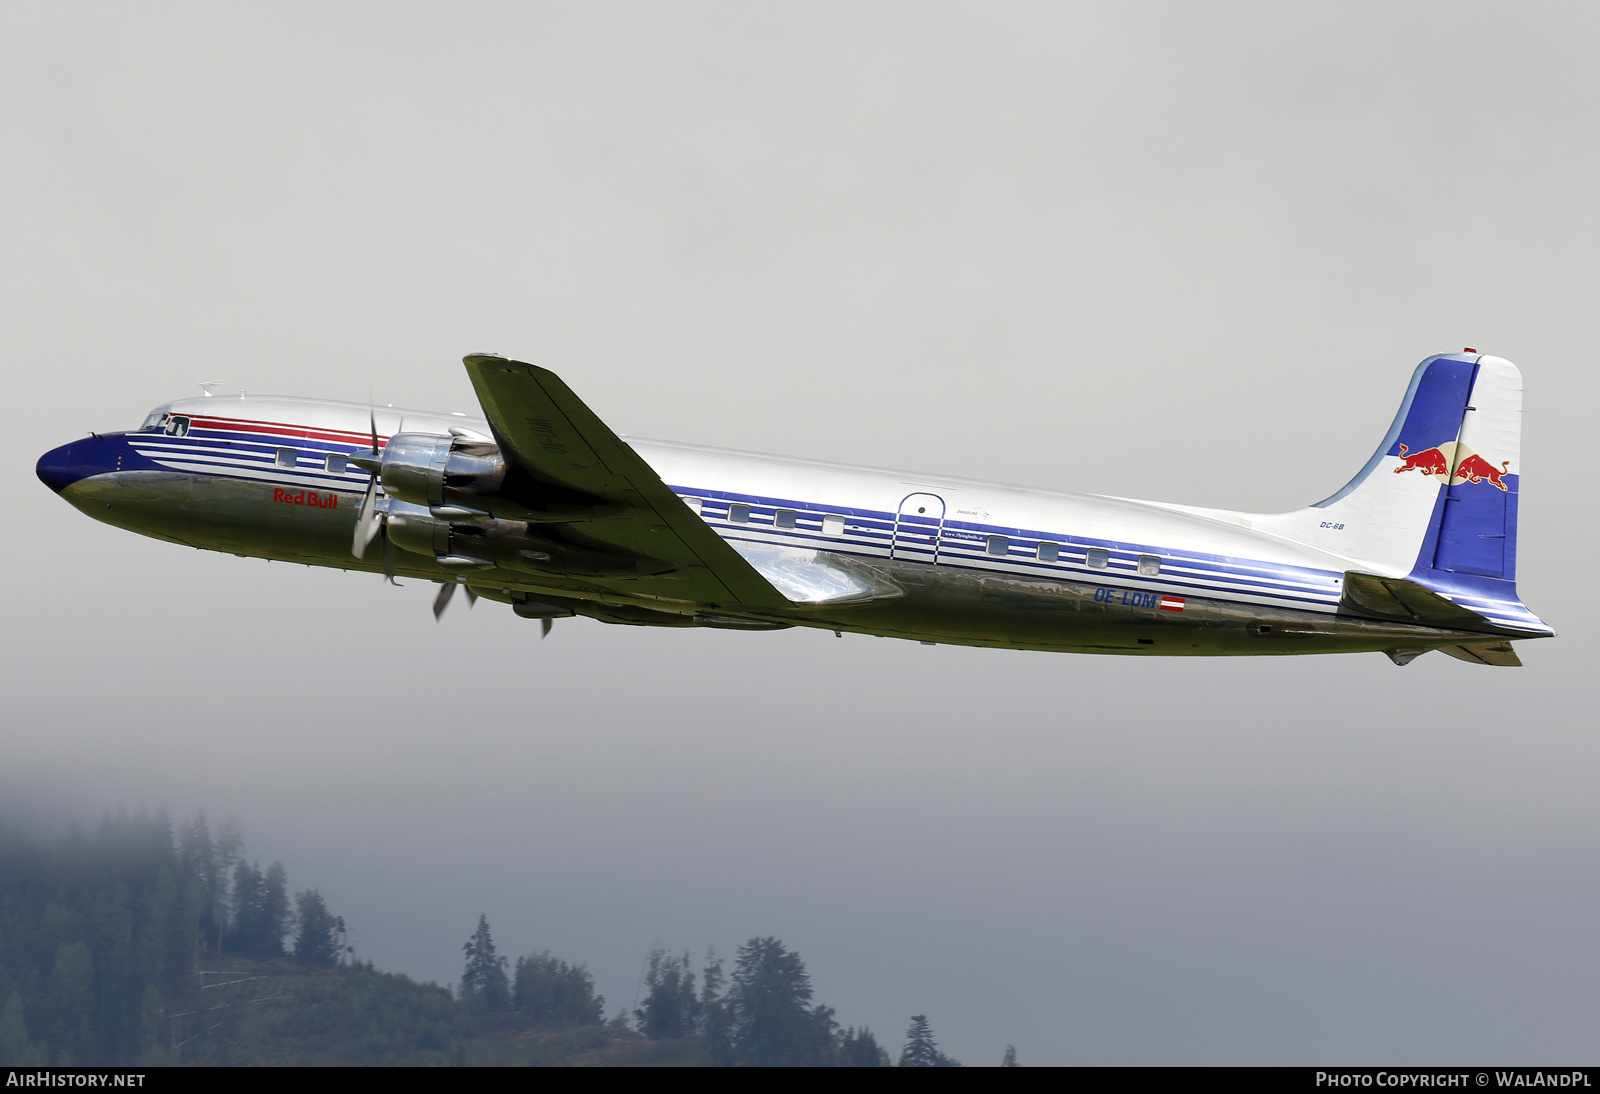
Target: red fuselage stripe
240, 425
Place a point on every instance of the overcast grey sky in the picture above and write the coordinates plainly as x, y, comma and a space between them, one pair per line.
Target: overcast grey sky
1187, 252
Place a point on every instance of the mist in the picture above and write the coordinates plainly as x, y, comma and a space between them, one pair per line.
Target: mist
1162, 252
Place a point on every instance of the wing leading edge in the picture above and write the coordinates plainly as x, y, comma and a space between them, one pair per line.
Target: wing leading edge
570, 462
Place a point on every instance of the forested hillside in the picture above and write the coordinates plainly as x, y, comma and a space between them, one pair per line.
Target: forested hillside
139, 945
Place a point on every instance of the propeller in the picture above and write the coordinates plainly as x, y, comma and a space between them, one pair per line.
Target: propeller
372, 523
367, 521
446, 591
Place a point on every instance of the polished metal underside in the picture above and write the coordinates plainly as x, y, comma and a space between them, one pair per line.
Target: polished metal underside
944, 604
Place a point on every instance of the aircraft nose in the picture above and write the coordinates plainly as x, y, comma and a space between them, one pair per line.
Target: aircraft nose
60, 467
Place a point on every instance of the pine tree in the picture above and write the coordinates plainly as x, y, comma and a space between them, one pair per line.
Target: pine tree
484, 979
16, 1049
548, 990
229, 850
70, 1006
859, 1048
251, 935
772, 1023
260, 910
150, 1024
714, 1018
97, 937
198, 857
670, 1009
921, 1050
274, 910
314, 944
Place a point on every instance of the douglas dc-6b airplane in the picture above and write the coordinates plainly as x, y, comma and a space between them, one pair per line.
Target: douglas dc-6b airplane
541, 506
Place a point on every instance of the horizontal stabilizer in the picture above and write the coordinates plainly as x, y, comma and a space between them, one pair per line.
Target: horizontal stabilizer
1404, 601
1499, 654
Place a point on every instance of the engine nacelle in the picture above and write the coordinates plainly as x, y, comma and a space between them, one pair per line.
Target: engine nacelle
429, 469
412, 528
508, 544
456, 545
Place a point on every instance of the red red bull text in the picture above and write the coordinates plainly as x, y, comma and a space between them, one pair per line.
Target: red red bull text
306, 497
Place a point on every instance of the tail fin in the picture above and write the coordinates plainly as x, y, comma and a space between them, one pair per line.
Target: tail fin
1437, 503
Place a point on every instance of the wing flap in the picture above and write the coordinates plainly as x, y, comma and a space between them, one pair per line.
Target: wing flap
816, 578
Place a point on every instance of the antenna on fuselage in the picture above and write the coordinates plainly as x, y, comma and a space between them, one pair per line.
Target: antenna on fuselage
205, 388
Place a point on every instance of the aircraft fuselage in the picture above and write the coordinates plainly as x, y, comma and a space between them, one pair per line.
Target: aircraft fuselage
936, 559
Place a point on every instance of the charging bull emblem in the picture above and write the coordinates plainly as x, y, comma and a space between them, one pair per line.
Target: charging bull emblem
1454, 462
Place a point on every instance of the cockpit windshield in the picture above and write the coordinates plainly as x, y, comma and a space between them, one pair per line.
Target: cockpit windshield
160, 421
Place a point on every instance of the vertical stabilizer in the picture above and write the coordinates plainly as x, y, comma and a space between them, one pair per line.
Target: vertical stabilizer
1437, 502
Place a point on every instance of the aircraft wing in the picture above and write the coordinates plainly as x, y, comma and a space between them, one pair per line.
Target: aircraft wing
550, 437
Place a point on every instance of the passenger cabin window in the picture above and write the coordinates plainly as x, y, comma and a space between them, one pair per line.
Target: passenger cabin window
1149, 565
1048, 552
998, 545
1097, 558
693, 504
784, 518
739, 514
177, 426
832, 525
287, 457
334, 464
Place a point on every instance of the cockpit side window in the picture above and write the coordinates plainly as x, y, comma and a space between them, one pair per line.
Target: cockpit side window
156, 419
177, 426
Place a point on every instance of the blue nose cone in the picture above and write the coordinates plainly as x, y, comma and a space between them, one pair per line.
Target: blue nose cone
60, 467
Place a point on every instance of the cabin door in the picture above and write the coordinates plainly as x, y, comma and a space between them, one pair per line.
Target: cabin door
917, 528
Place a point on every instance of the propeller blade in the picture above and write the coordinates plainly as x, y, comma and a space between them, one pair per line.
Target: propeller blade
442, 601
472, 597
369, 522
366, 520
371, 460
388, 562
544, 627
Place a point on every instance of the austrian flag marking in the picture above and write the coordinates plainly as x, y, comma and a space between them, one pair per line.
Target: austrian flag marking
1171, 604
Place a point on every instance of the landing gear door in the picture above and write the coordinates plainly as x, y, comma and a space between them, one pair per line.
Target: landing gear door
917, 528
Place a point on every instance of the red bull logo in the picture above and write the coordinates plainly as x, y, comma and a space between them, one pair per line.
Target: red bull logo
1455, 463
1430, 461
1476, 469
